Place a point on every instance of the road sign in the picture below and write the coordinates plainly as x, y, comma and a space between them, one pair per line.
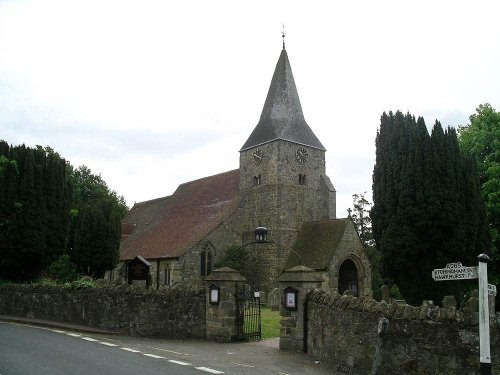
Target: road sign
454, 271
492, 290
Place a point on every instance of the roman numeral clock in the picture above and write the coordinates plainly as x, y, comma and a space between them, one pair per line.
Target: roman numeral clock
257, 156
301, 155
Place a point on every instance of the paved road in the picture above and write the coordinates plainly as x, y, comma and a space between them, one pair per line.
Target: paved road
27, 350
30, 350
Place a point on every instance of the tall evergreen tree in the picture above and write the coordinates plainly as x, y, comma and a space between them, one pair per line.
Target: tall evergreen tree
43, 202
426, 211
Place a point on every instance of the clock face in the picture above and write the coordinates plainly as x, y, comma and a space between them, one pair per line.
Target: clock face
257, 156
301, 155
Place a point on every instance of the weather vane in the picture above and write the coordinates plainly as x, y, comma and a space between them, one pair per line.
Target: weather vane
283, 35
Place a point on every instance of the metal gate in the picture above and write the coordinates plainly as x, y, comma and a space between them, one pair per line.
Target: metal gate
247, 312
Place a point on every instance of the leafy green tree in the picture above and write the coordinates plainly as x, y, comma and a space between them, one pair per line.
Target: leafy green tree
234, 257
481, 139
427, 208
360, 216
95, 237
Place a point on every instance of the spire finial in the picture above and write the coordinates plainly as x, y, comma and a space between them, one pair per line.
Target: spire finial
283, 34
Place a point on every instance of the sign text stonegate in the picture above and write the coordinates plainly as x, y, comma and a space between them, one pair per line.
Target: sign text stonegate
454, 271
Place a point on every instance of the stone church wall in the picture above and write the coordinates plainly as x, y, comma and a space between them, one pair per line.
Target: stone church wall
342, 331
170, 313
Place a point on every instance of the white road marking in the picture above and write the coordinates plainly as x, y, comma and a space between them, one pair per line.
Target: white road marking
57, 331
131, 350
206, 369
107, 343
283, 373
170, 351
153, 356
241, 364
88, 339
179, 362
74, 334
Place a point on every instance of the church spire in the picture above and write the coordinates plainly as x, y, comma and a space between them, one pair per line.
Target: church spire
282, 116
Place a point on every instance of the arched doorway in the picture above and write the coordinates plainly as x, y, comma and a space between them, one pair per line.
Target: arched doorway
348, 278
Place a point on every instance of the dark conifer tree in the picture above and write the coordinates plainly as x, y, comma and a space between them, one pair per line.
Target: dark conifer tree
423, 192
42, 204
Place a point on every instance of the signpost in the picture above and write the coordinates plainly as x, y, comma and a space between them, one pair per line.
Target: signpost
455, 271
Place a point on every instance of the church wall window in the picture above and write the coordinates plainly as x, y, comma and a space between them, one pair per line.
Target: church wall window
209, 263
168, 276
203, 263
206, 261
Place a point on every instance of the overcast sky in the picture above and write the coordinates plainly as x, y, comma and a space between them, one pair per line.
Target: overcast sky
151, 94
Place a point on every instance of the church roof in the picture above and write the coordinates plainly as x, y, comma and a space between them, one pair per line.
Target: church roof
169, 226
282, 116
316, 243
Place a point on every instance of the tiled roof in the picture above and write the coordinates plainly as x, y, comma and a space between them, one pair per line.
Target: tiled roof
316, 243
168, 226
282, 116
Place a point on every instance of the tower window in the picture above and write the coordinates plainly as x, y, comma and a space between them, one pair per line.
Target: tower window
302, 179
257, 180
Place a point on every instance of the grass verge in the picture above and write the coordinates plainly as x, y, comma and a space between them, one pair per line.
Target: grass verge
270, 321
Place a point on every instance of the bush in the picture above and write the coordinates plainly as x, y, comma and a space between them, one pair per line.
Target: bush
62, 269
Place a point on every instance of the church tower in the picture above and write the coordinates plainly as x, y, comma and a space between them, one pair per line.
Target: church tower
282, 174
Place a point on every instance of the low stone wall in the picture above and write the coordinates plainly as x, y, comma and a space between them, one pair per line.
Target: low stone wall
342, 331
175, 312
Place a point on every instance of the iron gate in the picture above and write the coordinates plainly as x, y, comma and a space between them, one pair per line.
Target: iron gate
247, 312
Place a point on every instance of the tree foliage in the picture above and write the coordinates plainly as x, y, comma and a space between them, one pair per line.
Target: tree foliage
481, 139
360, 216
234, 257
427, 206
42, 205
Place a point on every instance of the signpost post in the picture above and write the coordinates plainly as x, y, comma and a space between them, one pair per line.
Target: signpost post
484, 316
455, 271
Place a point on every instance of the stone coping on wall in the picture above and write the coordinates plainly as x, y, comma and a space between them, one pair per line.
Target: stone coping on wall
101, 289
428, 311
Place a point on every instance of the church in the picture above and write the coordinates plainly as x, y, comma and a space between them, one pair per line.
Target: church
281, 187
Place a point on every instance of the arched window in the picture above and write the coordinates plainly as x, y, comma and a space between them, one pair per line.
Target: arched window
203, 263
206, 260
348, 277
209, 263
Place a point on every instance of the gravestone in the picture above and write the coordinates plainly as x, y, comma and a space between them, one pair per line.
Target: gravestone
386, 293
275, 299
449, 302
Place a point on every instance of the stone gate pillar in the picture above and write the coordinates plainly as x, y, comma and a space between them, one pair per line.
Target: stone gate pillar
295, 284
221, 304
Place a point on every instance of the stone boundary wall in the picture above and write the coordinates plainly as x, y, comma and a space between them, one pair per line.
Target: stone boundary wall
342, 331
174, 312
